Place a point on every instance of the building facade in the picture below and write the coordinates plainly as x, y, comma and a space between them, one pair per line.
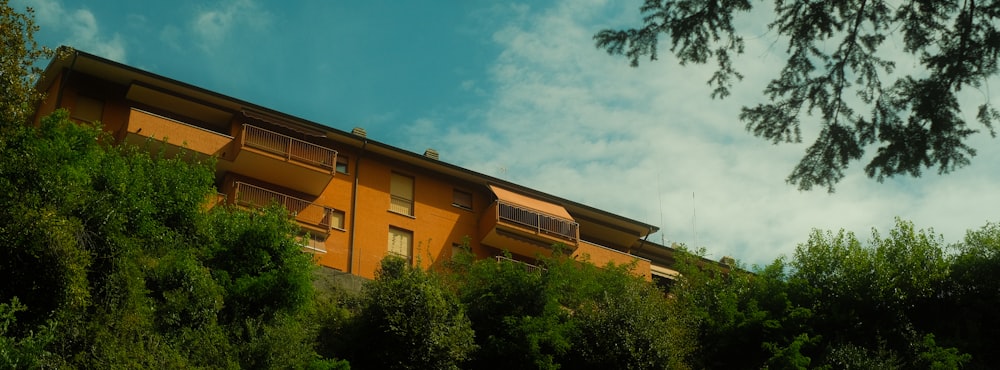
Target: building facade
356, 199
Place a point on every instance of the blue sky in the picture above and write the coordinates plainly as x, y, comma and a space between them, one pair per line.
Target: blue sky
518, 91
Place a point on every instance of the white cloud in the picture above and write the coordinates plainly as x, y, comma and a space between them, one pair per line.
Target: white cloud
569, 120
171, 36
87, 36
82, 26
212, 27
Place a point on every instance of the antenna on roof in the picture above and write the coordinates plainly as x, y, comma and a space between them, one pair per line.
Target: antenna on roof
659, 196
694, 219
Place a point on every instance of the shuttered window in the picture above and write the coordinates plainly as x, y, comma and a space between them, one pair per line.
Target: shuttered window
400, 242
401, 192
336, 219
87, 109
462, 199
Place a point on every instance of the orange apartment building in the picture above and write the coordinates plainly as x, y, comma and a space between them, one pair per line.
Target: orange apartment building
357, 199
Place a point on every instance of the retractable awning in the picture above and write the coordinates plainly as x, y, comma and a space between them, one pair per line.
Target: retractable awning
280, 122
529, 202
664, 272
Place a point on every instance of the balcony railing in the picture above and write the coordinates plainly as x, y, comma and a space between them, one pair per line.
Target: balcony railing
302, 210
527, 266
542, 223
401, 205
290, 148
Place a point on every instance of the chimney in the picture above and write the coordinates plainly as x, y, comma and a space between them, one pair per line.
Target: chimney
431, 153
359, 131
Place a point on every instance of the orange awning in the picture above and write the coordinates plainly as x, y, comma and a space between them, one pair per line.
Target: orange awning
529, 202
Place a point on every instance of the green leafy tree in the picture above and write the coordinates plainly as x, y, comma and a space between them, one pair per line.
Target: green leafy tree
517, 317
18, 70
566, 313
876, 298
261, 268
25, 351
409, 320
965, 316
112, 245
739, 319
841, 71
625, 325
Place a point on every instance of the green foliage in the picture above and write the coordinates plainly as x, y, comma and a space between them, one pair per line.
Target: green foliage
965, 317
18, 70
565, 313
408, 320
624, 326
113, 246
837, 72
896, 301
736, 318
872, 296
931, 356
850, 356
27, 351
186, 295
261, 268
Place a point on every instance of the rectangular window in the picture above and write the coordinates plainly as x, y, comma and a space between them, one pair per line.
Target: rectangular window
401, 193
462, 199
314, 243
400, 242
342, 164
87, 109
335, 218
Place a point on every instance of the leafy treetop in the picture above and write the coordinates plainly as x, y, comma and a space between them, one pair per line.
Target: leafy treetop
835, 47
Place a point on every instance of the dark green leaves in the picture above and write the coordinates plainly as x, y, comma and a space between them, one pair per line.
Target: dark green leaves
834, 48
409, 320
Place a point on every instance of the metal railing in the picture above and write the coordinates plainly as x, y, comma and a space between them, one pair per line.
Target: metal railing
527, 266
542, 223
302, 210
401, 205
289, 147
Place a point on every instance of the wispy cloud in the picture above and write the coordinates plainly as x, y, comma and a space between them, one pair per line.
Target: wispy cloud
84, 31
649, 144
87, 35
213, 26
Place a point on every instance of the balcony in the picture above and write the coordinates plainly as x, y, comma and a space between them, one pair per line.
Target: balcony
313, 216
526, 231
289, 148
601, 256
527, 266
143, 126
284, 160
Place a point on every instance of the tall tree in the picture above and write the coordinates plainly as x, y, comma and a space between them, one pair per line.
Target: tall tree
409, 320
568, 313
108, 259
18, 70
833, 47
